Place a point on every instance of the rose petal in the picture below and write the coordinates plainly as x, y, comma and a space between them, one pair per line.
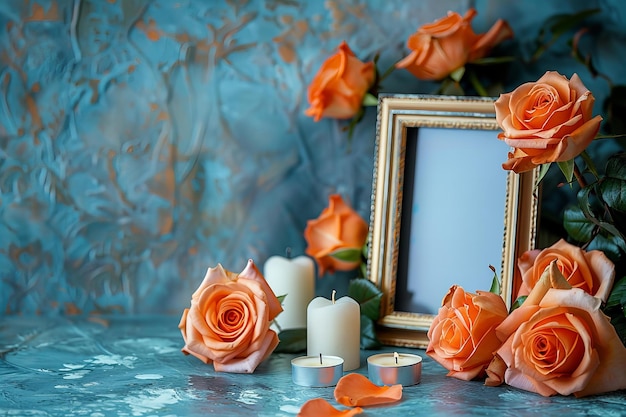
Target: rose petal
356, 390
249, 363
319, 407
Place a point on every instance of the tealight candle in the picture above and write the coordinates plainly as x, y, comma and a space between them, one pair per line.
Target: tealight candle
316, 371
394, 368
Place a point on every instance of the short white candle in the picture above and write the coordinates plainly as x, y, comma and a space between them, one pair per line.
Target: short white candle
294, 278
394, 359
334, 328
316, 362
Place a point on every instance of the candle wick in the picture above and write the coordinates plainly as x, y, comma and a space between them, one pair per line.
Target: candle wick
333, 296
288, 252
321, 363
395, 356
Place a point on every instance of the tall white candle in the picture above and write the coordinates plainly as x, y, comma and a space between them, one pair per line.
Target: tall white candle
334, 328
294, 278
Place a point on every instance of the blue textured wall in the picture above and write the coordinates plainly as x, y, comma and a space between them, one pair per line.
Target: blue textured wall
142, 141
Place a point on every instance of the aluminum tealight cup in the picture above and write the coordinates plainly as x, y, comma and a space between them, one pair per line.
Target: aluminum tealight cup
383, 369
316, 371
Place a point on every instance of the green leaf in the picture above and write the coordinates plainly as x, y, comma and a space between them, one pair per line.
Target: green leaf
495, 283
613, 192
291, 341
616, 308
617, 299
517, 303
567, 168
367, 295
583, 201
493, 60
543, 171
589, 162
564, 22
347, 255
281, 298
457, 74
607, 244
370, 100
616, 166
368, 333
577, 225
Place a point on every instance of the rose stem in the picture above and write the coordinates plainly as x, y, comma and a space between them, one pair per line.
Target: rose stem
321, 359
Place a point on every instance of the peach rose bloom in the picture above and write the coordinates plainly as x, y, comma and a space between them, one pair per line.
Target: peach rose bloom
461, 337
338, 88
228, 323
338, 228
560, 342
549, 120
590, 271
445, 45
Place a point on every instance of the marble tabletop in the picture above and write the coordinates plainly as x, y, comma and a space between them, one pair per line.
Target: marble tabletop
133, 366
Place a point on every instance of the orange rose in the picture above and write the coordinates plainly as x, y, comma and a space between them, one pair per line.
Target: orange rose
228, 323
590, 271
338, 230
559, 341
339, 86
447, 44
462, 337
549, 120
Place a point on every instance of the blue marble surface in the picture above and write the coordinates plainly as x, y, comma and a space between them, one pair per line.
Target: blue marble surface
132, 366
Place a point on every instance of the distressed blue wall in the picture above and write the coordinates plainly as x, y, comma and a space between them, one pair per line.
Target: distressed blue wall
142, 141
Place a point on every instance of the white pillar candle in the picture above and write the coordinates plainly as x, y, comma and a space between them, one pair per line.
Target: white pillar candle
294, 278
334, 328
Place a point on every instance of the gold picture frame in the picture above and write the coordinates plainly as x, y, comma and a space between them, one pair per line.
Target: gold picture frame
442, 134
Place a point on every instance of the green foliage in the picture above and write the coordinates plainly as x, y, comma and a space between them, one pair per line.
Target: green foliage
556, 27
615, 108
567, 168
368, 333
368, 296
517, 303
495, 283
616, 308
347, 255
291, 341
577, 225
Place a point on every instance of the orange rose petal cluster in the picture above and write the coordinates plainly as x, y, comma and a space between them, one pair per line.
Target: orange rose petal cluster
318, 407
352, 390
461, 337
590, 271
338, 88
228, 322
337, 228
559, 342
549, 120
441, 47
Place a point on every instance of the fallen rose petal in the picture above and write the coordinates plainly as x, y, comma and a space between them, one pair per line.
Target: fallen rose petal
357, 390
320, 407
